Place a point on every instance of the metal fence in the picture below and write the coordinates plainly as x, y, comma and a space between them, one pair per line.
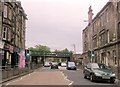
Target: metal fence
9, 73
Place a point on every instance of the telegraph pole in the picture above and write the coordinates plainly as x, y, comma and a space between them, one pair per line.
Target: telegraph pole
74, 47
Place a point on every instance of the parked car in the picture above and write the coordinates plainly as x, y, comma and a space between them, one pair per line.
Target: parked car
99, 72
63, 64
71, 66
54, 65
46, 64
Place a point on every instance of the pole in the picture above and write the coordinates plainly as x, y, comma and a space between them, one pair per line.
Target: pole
74, 48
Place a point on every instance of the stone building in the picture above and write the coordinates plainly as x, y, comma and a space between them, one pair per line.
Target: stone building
77, 58
87, 38
12, 32
101, 38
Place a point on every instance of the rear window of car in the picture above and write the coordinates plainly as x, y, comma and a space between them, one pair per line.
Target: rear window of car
46, 62
71, 63
54, 63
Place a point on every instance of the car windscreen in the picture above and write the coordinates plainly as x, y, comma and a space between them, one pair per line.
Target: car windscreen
102, 66
95, 66
71, 64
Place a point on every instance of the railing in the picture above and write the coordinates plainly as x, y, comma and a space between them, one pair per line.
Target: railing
8, 73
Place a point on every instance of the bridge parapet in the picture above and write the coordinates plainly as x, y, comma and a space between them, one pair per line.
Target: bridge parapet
51, 54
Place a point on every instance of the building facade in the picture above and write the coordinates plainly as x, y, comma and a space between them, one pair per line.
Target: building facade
12, 32
101, 38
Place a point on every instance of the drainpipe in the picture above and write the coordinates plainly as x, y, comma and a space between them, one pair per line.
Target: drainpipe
117, 38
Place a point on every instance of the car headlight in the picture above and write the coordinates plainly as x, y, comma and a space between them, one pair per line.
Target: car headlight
113, 74
98, 74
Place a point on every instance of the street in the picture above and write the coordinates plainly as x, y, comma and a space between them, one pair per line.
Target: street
60, 77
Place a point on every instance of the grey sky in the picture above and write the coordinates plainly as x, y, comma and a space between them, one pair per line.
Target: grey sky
58, 24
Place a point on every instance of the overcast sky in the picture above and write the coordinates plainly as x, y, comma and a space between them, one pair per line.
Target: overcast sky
58, 24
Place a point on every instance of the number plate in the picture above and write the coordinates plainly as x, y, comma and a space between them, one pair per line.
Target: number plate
106, 77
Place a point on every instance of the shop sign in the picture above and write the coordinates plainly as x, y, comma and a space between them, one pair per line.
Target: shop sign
6, 46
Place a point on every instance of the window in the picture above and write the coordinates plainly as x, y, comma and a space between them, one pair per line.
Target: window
4, 34
93, 28
118, 31
9, 35
102, 20
85, 47
100, 40
108, 37
10, 14
114, 56
119, 6
12, 38
107, 16
5, 11
104, 38
95, 42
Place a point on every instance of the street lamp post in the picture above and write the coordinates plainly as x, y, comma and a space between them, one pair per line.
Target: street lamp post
44, 57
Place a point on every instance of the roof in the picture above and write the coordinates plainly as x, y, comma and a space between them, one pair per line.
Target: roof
107, 4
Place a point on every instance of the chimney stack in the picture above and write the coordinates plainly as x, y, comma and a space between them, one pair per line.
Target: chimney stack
90, 14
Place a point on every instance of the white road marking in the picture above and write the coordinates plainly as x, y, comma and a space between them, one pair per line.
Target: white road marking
62, 73
7, 84
12, 82
65, 77
21, 78
18, 79
71, 83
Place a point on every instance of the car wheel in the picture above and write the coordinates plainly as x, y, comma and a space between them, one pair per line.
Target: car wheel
85, 76
91, 78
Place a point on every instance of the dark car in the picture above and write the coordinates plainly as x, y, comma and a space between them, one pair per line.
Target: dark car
71, 66
99, 72
54, 65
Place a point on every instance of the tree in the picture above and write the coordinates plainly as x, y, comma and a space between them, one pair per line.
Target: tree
40, 48
63, 51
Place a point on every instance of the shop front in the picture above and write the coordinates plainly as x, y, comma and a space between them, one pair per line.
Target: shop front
1, 52
6, 62
15, 57
10, 56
